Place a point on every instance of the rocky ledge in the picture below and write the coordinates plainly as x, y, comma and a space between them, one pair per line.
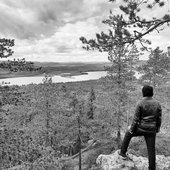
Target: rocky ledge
115, 162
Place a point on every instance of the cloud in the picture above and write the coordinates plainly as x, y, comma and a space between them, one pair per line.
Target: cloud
30, 18
63, 44
50, 29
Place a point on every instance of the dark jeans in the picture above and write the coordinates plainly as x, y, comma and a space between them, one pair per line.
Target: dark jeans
150, 143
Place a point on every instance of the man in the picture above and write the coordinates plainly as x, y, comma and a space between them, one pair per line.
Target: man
146, 122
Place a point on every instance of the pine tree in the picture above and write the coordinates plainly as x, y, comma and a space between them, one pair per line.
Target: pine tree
155, 71
90, 104
47, 81
15, 65
120, 57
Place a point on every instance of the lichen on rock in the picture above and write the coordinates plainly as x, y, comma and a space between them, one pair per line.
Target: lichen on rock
115, 162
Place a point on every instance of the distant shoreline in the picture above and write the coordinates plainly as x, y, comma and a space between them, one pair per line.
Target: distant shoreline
63, 69
34, 74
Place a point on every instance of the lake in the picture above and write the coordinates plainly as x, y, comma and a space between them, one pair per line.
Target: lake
56, 79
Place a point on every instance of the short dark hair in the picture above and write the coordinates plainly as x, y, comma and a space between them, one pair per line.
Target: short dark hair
147, 91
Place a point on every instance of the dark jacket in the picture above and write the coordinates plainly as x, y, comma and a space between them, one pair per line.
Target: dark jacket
147, 116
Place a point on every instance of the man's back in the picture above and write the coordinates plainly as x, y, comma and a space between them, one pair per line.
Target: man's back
150, 114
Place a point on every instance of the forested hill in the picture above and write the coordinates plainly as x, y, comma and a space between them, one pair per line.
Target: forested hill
41, 125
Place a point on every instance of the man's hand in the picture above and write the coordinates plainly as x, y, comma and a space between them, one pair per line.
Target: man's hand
130, 130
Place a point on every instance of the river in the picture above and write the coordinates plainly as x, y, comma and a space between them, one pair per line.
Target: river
56, 79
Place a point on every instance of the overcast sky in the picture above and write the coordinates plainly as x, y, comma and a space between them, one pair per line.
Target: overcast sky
49, 30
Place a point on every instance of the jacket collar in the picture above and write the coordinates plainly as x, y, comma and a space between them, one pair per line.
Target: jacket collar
147, 98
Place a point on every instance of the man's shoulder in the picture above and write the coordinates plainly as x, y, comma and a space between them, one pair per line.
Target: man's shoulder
149, 101
156, 101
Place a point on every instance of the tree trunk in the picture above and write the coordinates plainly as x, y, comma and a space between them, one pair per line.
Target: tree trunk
118, 127
79, 153
119, 104
47, 124
79, 141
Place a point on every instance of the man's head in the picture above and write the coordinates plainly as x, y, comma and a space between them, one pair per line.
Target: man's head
147, 91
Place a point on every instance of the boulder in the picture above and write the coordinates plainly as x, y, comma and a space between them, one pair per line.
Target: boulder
115, 162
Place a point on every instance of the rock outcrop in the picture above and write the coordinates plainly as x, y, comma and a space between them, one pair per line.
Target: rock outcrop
115, 162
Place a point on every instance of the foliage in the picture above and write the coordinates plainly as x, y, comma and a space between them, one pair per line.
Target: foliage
29, 116
23, 126
132, 26
16, 147
155, 71
19, 65
11, 95
5, 47
15, 65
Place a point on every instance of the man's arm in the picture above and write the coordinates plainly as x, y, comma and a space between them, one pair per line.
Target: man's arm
136, 119
159, 119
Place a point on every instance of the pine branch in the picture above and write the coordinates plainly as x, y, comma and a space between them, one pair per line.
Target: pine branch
148, 31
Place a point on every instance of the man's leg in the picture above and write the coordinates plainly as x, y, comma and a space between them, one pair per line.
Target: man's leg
150, 142
125, 143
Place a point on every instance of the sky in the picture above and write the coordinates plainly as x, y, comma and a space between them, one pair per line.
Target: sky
49, 30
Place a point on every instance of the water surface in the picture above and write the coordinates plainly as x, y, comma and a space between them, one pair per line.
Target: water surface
56, 79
